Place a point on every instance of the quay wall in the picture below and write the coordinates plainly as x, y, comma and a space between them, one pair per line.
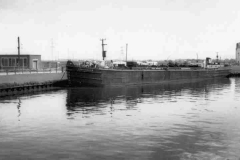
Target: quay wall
235, 69
37, 78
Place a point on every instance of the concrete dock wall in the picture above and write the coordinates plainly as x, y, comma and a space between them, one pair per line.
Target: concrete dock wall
235, 69
38, 78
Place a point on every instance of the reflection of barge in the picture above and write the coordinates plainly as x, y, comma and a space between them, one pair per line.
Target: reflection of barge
115, 77
95, 96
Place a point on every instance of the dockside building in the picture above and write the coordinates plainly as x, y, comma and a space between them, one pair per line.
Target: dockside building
26, 61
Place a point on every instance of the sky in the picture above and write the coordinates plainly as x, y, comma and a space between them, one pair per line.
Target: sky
153, 29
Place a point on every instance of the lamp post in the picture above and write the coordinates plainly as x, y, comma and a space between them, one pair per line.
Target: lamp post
126, 52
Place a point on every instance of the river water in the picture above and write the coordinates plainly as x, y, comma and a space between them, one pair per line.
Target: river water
190, 120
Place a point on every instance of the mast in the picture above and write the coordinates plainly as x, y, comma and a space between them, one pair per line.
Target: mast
103, 52
126, 52
18, 52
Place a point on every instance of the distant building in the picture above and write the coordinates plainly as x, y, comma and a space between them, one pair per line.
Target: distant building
26, 61
238, 53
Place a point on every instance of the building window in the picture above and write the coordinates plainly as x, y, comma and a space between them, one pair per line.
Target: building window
10, 61
13, 62
21, 62
25, 62
5, 62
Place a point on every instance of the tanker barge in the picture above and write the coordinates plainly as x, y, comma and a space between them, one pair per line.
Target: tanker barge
98, 75
78, 75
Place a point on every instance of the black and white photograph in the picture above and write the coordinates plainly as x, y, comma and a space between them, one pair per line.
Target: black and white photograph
119, 80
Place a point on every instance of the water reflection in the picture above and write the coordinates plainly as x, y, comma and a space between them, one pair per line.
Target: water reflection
165, 134
194, 120
18, 107
93, 99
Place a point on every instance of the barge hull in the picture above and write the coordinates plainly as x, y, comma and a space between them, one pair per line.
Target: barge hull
111, 77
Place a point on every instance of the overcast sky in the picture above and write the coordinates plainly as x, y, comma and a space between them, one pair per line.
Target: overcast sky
153, 29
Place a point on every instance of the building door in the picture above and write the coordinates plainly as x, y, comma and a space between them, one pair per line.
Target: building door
35, 65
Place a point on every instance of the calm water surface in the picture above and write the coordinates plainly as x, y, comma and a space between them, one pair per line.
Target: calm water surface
195, 120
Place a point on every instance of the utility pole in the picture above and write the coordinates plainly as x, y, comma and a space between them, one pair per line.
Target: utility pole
126, 52
52, 46
103, 52
122, 53
68, 54
18, 52
197, 57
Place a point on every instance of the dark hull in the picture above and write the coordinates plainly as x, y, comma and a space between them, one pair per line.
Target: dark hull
111, 77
